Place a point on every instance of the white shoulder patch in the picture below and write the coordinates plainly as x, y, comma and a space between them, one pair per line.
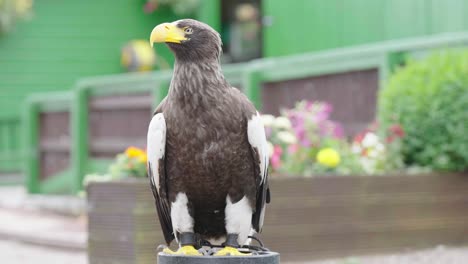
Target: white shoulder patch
156, 144
257, 139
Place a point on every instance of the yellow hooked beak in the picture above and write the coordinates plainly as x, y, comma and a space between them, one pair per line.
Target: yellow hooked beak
167, 32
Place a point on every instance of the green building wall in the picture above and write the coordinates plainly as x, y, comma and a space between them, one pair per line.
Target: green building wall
67, 40
62, 42
311, 25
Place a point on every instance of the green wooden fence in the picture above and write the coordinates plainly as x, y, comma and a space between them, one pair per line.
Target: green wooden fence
154, 84
10, 151
43, 136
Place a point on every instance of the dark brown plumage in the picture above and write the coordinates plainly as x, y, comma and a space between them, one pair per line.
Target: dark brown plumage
208, 153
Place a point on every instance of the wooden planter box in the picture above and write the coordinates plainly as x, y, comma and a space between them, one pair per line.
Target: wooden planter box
309, 218
122, 223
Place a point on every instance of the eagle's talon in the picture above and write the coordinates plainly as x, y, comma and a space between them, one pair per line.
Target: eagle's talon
211, 252
161, 248
185, 250
204, 252
168, 251
230, 251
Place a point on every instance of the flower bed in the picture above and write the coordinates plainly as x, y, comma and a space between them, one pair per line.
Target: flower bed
305, 141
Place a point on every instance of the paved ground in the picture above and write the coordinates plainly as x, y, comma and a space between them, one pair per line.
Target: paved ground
437, 255
15, 197
12, 252
43, 229
53, 221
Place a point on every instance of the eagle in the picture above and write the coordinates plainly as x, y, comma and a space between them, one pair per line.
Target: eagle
207, 149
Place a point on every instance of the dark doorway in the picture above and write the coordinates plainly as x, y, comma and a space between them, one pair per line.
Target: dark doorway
241, 30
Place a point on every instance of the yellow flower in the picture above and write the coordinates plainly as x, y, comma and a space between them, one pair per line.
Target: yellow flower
143, 158
133, 152
328, 157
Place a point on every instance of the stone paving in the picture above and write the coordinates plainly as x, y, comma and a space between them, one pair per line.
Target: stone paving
42, 229
12, 252
39, 220
436, 255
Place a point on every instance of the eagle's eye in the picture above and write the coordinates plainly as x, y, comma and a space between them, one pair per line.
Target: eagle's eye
188, 30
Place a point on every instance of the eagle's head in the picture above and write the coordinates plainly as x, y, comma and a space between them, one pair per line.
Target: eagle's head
189, 40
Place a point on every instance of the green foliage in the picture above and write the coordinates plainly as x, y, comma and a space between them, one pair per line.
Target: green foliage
429, 98
131, 163
125, 166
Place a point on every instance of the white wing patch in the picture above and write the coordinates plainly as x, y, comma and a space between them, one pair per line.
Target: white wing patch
257, 139
156, 144
181, 220
239, 218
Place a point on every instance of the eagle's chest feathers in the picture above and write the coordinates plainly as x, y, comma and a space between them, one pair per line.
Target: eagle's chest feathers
210, 130
209, 141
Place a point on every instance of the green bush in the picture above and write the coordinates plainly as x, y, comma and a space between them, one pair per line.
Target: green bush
429, 98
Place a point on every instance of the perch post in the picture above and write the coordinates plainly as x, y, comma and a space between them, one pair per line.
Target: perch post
263, 258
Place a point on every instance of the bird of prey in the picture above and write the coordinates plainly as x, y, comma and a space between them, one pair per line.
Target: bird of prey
207, 150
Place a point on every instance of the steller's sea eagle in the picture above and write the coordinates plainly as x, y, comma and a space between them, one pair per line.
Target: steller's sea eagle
207, 151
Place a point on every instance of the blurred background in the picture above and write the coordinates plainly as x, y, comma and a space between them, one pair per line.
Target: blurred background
365, 104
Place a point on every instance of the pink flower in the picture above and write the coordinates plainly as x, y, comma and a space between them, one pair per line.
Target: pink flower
311, 123
293, 148
309, 105
323, 113
397, 130
298, 125
390, 139
327, 108
338, 131
276, 157
359, 137
150, 6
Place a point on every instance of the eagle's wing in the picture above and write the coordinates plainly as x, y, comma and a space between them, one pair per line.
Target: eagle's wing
258, 142
156, 146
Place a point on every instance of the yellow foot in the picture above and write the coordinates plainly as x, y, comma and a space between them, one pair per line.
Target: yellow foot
185, 250
230, 251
